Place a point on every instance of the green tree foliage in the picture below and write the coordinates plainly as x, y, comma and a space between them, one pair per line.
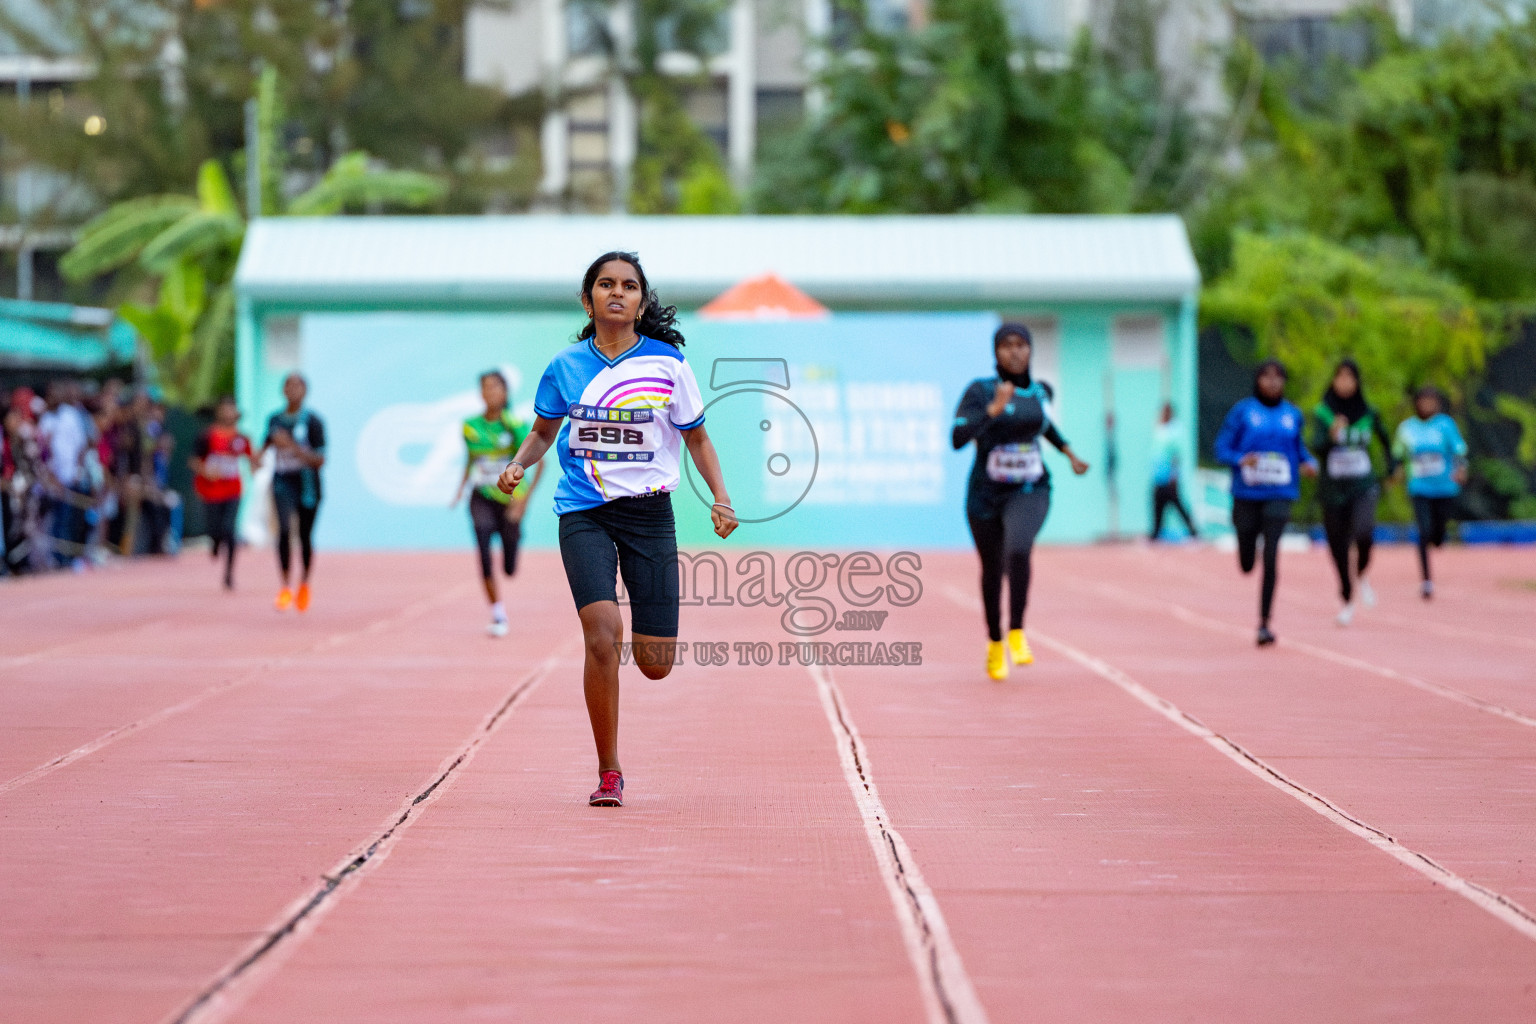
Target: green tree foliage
1310, 303
185, 248
678, 168
1432, 144
1387, 211
172, 76
962, 116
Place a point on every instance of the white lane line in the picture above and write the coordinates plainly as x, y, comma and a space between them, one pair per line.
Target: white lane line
1169, 563
1495, 903
1326, 654
948, 995
232, 986
267, 667
1457, 632
99, 640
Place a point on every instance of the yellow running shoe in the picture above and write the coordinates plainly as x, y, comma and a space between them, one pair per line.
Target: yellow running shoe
1018, 648
301, 599
284, 600
997, 660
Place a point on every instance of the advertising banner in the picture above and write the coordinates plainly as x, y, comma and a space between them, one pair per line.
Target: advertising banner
833, 432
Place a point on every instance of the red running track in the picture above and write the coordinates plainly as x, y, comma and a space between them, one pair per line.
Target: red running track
373, 812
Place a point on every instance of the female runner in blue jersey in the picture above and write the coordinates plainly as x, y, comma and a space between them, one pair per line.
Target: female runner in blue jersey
1261, 440
618, 406
1431, 447
1009, 492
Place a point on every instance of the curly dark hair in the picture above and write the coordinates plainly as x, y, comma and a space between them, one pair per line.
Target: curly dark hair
656, 321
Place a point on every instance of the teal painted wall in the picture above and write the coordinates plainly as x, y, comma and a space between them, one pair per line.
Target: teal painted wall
877, 389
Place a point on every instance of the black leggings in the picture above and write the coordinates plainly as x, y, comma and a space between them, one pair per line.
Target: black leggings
633, 538
1164, 495
490, 520
1252, 520
1006, 542
1352, 524
221, 517
287, 500
1431, 515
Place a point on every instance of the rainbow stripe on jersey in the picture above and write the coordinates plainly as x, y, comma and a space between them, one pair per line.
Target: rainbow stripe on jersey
624, 420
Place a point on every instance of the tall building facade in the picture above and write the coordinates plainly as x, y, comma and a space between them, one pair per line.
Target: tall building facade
763, 71
574, 53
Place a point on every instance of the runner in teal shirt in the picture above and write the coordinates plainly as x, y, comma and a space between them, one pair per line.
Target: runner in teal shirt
1430, 445
1167, 454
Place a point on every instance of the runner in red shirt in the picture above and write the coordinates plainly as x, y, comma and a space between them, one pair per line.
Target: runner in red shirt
216, 477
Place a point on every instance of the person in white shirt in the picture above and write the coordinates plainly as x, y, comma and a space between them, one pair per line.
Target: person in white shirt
66, 433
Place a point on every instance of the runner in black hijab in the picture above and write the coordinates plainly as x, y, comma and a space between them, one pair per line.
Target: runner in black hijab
1349, 487
1010, 489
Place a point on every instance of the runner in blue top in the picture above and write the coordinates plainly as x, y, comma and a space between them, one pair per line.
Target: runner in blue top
619, 405
1261, 440
1431, 447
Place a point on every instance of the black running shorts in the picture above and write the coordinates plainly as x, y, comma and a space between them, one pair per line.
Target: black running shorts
635, 538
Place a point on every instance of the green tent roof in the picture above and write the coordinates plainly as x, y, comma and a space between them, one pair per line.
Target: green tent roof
55, 334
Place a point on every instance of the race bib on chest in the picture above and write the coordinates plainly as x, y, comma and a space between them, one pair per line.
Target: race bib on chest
1271, 469
484, 472
612, 435
1349, 463
1427, 464
1015, 464
222, 467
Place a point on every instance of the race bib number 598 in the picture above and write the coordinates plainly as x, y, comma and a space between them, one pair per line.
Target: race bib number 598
611, 435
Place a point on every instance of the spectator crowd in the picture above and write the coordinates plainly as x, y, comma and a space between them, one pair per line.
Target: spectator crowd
84, 474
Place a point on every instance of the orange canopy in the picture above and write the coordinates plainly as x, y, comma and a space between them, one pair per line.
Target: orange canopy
768, 297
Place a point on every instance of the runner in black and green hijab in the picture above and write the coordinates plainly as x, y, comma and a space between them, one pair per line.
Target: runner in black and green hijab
491, 439
1348, 485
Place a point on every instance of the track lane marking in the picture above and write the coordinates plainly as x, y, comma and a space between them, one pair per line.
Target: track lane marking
232, 986
1500, 906
43, 653
1167, 561
139, 725
948, 995
1455, 632
1441, 690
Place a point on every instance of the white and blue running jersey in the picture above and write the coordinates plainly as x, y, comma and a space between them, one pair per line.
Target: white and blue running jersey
624, 420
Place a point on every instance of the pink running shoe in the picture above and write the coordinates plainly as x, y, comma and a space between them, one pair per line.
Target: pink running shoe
611, 792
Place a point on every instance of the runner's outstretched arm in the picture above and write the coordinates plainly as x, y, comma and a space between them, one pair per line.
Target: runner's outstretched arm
458, 494
538, 441
1051, 434
702, 450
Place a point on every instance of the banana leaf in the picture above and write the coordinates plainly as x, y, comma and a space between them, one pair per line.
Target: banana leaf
115, 238
192, 237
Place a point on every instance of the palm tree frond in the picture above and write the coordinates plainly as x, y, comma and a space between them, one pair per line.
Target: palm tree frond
160, 331
183, 295
117, 236
352, 184
192, 237
211, 348
214, 192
